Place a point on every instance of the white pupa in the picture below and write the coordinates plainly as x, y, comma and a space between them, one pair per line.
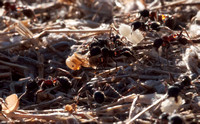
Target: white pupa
192, 58
170, 105
134, 36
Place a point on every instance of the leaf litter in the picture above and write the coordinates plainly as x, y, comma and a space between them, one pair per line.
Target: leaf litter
99, 61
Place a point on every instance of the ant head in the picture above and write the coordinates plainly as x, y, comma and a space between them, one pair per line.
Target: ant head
186, 81
153, 15
144, 13
8, 6
99, 96
155, 26
1, 4
182, 41
170, 23
126, 52
64, 81
164, 117
157, 43
176, 119
99, 42
136, 25
105, 51
28, 13
173, 91
95, 51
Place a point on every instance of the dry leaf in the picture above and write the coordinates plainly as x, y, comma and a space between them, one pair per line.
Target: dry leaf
12, 104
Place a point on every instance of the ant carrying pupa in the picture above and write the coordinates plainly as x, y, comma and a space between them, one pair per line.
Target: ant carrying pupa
101, 51
154, 22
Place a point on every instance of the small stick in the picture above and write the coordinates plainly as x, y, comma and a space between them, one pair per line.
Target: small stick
6, 74
114, 90
41, 66
14, 65
79, 31
146, 109
133, 106
44, 103
50, 116
176, 3
56, 52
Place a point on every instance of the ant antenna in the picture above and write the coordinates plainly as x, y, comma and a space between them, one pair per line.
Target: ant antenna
183, 29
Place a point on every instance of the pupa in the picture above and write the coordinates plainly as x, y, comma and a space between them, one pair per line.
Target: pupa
75, 61
192, 59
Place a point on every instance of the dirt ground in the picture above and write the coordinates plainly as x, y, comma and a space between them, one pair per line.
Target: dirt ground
100, 61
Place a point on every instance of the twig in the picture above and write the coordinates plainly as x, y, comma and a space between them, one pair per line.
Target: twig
51, 116
72, 31
133, 106
41, 66
56, 52
44, 103
177, 3
6, 74
79, 31
146, 109
14, 65
14, 45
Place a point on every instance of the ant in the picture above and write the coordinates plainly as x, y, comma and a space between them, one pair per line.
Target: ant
143, 26
153, 15
60, 81
167, 39
116, 40
98, 42
100, 50
168, 20
12, 8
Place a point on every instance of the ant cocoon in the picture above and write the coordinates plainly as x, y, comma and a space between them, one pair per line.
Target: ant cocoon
134, 36
170, 105
75, 61
192, 58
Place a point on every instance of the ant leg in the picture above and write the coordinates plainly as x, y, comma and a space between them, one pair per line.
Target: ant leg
114, 28
167, 57
114, 61
188, 36
167, 28
159, 62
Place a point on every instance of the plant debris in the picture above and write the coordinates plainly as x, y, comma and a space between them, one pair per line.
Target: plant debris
100, 61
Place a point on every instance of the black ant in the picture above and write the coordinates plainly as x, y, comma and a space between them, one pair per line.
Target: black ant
102, 49
154, 16
168, 20
8, 6
138, 25
116, 40
99, 55
98, 42
12, 8
144, 26
61, 81
165, 41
